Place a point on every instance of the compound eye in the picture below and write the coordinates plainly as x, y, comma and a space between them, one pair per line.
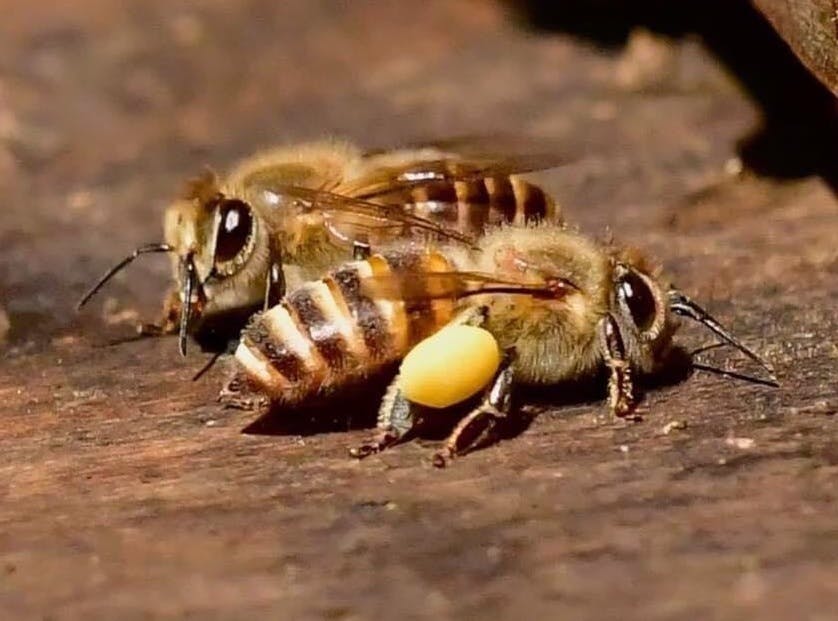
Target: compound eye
234, 230
636, 295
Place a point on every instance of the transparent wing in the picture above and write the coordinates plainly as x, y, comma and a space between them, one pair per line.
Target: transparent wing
481, 147
418, 286
353, 216
389, 179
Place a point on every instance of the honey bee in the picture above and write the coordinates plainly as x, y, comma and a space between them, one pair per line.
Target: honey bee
288, 215
561, 306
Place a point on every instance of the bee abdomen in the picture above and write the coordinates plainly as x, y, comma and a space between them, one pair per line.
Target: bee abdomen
373, 323
329, 333
472, 205
285, 352
519, 201
278, 356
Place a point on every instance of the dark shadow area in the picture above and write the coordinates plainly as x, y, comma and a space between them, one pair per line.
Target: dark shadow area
220, 332
438, 424
357, 407
799, 136
350, 409
214, 343
677, 368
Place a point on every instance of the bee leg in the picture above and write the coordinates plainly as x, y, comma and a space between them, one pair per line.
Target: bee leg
361, 250
397, 415
169, 322
395, 422
240, 393
479, 427
621, 397
274, 286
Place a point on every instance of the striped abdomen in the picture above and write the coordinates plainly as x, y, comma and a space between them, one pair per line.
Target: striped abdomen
330, 333
470, 206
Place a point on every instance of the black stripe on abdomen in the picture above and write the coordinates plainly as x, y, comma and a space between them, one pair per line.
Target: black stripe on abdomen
285, 361
325, 336
535, 203
501, 199
368, 317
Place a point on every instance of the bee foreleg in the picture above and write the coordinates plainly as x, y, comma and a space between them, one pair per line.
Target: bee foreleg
395, 422
479, 427
170, 320
621, 393
241, 394
274, 286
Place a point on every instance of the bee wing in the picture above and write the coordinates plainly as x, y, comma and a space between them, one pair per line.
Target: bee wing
352, 217
418, 286
384, 180
482, 147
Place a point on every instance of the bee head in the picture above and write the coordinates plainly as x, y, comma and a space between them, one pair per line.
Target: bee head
213, 242
233, 235
230, 256
641, 310
217, 228
640, 301
213, 238
645, 311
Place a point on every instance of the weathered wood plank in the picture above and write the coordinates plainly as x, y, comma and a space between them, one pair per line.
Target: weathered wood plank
126, 492
810, 27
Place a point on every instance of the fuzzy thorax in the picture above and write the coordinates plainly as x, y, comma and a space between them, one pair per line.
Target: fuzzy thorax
557, 340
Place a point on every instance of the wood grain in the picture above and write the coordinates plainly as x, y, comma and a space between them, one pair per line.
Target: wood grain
810, 28
127, 492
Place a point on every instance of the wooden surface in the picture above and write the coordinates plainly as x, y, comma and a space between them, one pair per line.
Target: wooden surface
126, 492
811, 29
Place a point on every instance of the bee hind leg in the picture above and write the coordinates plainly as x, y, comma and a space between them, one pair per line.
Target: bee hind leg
479, 427
395, 422
397, 415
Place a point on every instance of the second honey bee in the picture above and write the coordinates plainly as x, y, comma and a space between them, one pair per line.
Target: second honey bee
289, 215
561, 306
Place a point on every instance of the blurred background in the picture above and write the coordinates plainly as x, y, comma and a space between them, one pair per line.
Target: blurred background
703, 130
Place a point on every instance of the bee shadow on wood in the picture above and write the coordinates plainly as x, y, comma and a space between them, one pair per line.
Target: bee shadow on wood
676, 367
353, 408
356, 407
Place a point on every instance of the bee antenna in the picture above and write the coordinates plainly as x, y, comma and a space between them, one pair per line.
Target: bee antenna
119, 266
680, 304
188, 277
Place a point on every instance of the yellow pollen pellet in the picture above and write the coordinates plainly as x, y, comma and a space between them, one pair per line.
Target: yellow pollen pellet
449, 367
